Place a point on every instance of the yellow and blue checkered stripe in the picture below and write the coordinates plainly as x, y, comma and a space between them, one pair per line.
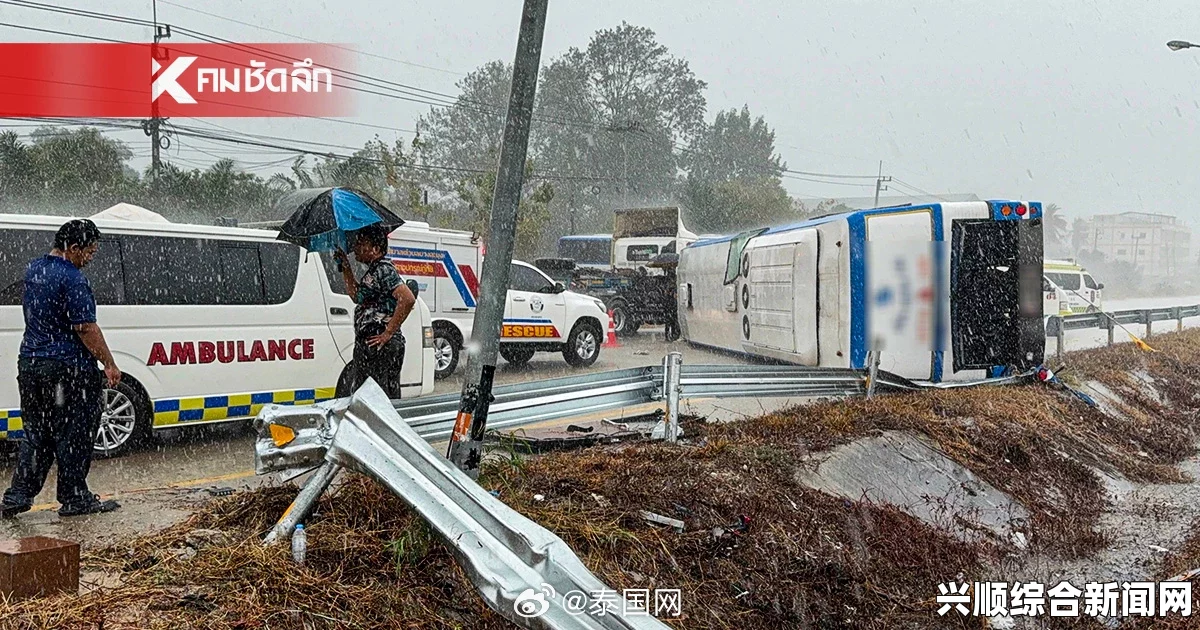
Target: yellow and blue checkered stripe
200, 409
10, 424
172, 411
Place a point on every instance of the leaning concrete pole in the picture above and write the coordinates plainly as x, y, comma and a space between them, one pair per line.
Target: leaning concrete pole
466, 443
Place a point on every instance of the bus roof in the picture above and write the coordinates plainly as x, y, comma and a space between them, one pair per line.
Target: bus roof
586, 237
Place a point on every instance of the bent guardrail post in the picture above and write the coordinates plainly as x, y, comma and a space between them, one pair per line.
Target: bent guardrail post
296, 439
305, 502
517, 566
1060, 335
671, 380
872, 371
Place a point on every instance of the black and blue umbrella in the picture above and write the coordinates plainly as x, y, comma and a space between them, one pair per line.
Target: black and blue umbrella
319, 218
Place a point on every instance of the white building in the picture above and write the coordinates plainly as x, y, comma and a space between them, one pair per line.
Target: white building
1158, 244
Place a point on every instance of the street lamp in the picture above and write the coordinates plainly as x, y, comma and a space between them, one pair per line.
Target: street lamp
1178, 44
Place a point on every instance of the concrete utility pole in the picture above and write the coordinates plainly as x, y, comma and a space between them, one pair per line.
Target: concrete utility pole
879, 183
151, 127
466, 443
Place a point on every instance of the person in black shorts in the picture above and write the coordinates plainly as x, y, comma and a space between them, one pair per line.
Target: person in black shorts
383, 303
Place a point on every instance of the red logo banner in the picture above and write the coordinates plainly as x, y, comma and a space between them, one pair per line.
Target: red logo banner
189, 80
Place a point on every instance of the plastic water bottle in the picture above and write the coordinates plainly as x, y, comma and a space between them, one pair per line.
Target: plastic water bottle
299, 544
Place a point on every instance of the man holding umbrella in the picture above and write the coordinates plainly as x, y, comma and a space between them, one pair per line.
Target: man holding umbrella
327, 219
383, 303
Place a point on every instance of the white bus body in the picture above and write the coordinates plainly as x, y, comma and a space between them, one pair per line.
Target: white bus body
961, 306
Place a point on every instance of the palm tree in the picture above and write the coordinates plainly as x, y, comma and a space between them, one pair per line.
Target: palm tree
1054, 226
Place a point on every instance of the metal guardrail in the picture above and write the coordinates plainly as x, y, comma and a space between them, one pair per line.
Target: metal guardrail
1057, 325
554, 399
506, 555
522, 570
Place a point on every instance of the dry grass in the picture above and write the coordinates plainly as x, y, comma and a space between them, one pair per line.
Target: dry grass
808, 559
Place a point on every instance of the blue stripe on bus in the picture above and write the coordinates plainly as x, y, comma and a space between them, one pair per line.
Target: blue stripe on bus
939, 291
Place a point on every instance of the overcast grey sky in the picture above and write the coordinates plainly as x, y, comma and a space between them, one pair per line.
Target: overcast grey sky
1067, 101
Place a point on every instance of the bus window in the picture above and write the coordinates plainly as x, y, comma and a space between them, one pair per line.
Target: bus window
1067, 281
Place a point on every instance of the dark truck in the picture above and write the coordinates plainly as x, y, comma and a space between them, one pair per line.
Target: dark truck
633, 296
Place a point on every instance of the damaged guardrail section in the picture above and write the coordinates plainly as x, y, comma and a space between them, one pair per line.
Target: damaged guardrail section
523, 571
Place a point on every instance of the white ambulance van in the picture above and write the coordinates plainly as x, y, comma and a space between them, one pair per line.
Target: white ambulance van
1070, 289
540, 315
208, 324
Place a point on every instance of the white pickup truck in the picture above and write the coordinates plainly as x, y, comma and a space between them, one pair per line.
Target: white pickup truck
540, 316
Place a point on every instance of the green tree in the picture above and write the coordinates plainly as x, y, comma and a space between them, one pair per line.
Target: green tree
1054, 229
606, 123
733, 175
18, 177
615, 112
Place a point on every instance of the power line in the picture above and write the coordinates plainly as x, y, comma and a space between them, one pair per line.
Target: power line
286, 34
403, 91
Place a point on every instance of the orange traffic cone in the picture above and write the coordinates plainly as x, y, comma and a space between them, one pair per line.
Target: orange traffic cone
610, 340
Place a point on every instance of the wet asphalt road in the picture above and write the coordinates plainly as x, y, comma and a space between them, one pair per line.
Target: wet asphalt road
222, 455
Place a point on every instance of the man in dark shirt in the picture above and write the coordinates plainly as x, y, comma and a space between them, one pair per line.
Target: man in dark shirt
383, 303
57, 377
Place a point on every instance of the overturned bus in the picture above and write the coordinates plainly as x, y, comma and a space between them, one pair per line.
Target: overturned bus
948, 291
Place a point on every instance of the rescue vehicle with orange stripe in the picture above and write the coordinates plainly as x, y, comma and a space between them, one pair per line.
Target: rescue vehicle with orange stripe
540, 315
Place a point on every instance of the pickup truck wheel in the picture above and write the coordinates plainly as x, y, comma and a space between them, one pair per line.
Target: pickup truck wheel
624, 321
516, 355
446, 347
583, 345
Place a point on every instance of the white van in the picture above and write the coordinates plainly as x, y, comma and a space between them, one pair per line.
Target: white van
1069, 289
540, 314
188, 311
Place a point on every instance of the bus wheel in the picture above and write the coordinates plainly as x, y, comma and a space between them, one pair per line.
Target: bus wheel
671, 331
124, 420
446, 346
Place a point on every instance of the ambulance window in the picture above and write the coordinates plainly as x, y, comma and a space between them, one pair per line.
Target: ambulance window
525, 279
171, 271
1067, 281
280, 265
17, 248
1088, 282
240, 274
337, 283
106, 273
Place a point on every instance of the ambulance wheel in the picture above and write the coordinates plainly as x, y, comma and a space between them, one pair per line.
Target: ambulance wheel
516, 355
446, 346
124, 420
624, 323
345, 381
583, 345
